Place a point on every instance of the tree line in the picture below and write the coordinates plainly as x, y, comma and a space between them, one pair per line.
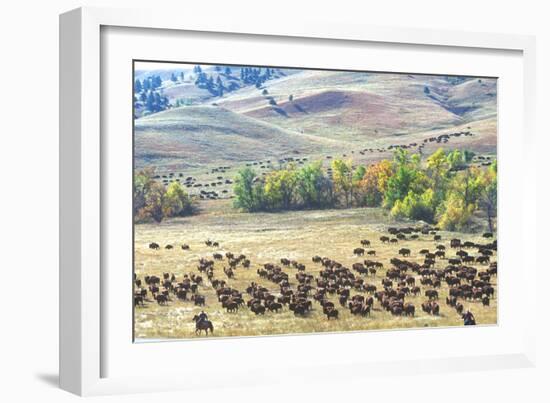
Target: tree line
153, 201
445, 189
148, 97
217, 87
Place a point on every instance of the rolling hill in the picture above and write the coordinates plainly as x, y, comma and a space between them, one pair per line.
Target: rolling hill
345, 105
195, 136
311, 112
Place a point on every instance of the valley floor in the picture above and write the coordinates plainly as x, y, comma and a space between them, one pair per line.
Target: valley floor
267, 238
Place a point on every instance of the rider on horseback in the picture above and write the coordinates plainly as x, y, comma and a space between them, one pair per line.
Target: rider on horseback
202, 317
202, 323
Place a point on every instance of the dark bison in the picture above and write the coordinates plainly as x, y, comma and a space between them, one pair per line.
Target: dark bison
359, 251
274, 306
332, 313
258, 309
431, 294
404, 252
198, 299
138, 300
431, 307
408, 309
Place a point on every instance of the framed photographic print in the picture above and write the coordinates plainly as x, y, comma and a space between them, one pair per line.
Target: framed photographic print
270, 193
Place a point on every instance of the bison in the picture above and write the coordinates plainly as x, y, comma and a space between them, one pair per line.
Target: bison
404, 252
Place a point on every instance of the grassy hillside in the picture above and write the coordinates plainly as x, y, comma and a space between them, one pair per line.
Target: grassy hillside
345, 105
189, 137
314, 114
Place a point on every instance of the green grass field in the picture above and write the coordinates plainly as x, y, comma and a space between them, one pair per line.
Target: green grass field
267, 238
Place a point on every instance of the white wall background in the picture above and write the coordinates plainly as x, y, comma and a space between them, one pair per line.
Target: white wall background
29, 208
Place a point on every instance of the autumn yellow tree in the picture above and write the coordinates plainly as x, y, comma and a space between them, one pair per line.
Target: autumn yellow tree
280, 187
371, 188
487, 198
342, 174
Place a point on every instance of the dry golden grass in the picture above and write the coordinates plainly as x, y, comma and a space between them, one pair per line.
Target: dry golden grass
267, 238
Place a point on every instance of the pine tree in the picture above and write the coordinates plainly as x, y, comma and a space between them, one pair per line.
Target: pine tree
157, 82
150, 104
137, 86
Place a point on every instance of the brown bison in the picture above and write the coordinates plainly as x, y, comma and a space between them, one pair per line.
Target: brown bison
359, 251
404, 252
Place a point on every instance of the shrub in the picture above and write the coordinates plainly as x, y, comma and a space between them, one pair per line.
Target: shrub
415, 206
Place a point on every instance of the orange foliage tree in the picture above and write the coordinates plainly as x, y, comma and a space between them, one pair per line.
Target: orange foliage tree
371, 189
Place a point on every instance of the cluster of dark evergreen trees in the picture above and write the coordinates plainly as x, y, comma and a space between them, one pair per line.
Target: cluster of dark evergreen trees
217, 86
147, 95
174, 78
256, 76
205, 81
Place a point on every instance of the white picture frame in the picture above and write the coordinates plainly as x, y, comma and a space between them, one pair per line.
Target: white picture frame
83, 342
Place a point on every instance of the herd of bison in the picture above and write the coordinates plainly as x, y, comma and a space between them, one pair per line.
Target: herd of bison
216, 186
466, 270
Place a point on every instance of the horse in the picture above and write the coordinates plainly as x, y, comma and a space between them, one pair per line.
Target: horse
202, 325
